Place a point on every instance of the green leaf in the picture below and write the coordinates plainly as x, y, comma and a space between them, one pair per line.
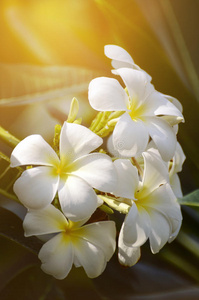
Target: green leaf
191, 199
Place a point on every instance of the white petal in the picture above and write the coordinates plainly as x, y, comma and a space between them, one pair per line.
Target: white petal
176, 186
160, 231
163, 136
77, 198
174, 101
106, 94
137, 83
174, 235
162, 202
136, 227
176, 223
121, 58
173, 121
127, 179
175, 128
57, 256
98, 170
100, 234
33, 150
128, 226
155, 173
165, 107
90, 257
99, 201
178, 160
111, 148
127, 255
130, 137
36, 188
44, 221
75, 141
156, 104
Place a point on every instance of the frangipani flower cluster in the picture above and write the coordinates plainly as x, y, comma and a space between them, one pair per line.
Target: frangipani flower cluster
63, 186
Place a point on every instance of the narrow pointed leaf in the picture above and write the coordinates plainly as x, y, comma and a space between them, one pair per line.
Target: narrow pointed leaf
191, 199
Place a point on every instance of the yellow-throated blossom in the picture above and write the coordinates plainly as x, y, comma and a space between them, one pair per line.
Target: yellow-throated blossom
90, 245
147, 113
154, 213
122, 59
73, 175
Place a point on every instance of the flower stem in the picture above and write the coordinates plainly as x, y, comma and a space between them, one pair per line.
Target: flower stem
115, 204
96, 121
7, 137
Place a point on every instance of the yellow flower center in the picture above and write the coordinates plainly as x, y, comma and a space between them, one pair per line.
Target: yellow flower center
61, 169
72, 233
136, 111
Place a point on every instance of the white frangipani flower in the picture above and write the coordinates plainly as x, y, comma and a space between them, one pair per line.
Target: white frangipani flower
90, 246
154, 213
122, 59
73, 175
143, 109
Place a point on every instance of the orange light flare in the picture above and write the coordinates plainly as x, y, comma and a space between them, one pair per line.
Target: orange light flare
53, 32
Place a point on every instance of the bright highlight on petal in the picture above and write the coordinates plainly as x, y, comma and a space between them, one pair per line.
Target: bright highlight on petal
106, 94
33, 150
120, 57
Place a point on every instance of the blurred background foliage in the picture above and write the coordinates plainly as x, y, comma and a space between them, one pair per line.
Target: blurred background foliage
50, 50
